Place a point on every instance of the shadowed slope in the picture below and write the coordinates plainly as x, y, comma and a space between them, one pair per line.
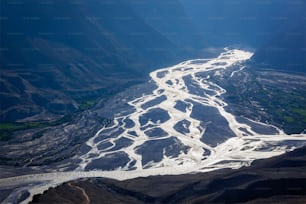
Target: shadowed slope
56, 55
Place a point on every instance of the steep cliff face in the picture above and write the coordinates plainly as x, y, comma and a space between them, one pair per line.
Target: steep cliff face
56, 54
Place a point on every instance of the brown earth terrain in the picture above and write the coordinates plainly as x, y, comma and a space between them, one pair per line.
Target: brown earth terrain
280, 179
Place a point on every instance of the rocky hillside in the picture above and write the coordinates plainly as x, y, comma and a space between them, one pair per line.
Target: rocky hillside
58, 56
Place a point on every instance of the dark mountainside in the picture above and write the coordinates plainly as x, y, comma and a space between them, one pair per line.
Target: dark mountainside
244, 23
280, 179
276, 29
170, 19
57, 56
286, 52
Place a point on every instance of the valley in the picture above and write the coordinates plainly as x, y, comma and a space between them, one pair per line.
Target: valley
101, 100
175, 124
